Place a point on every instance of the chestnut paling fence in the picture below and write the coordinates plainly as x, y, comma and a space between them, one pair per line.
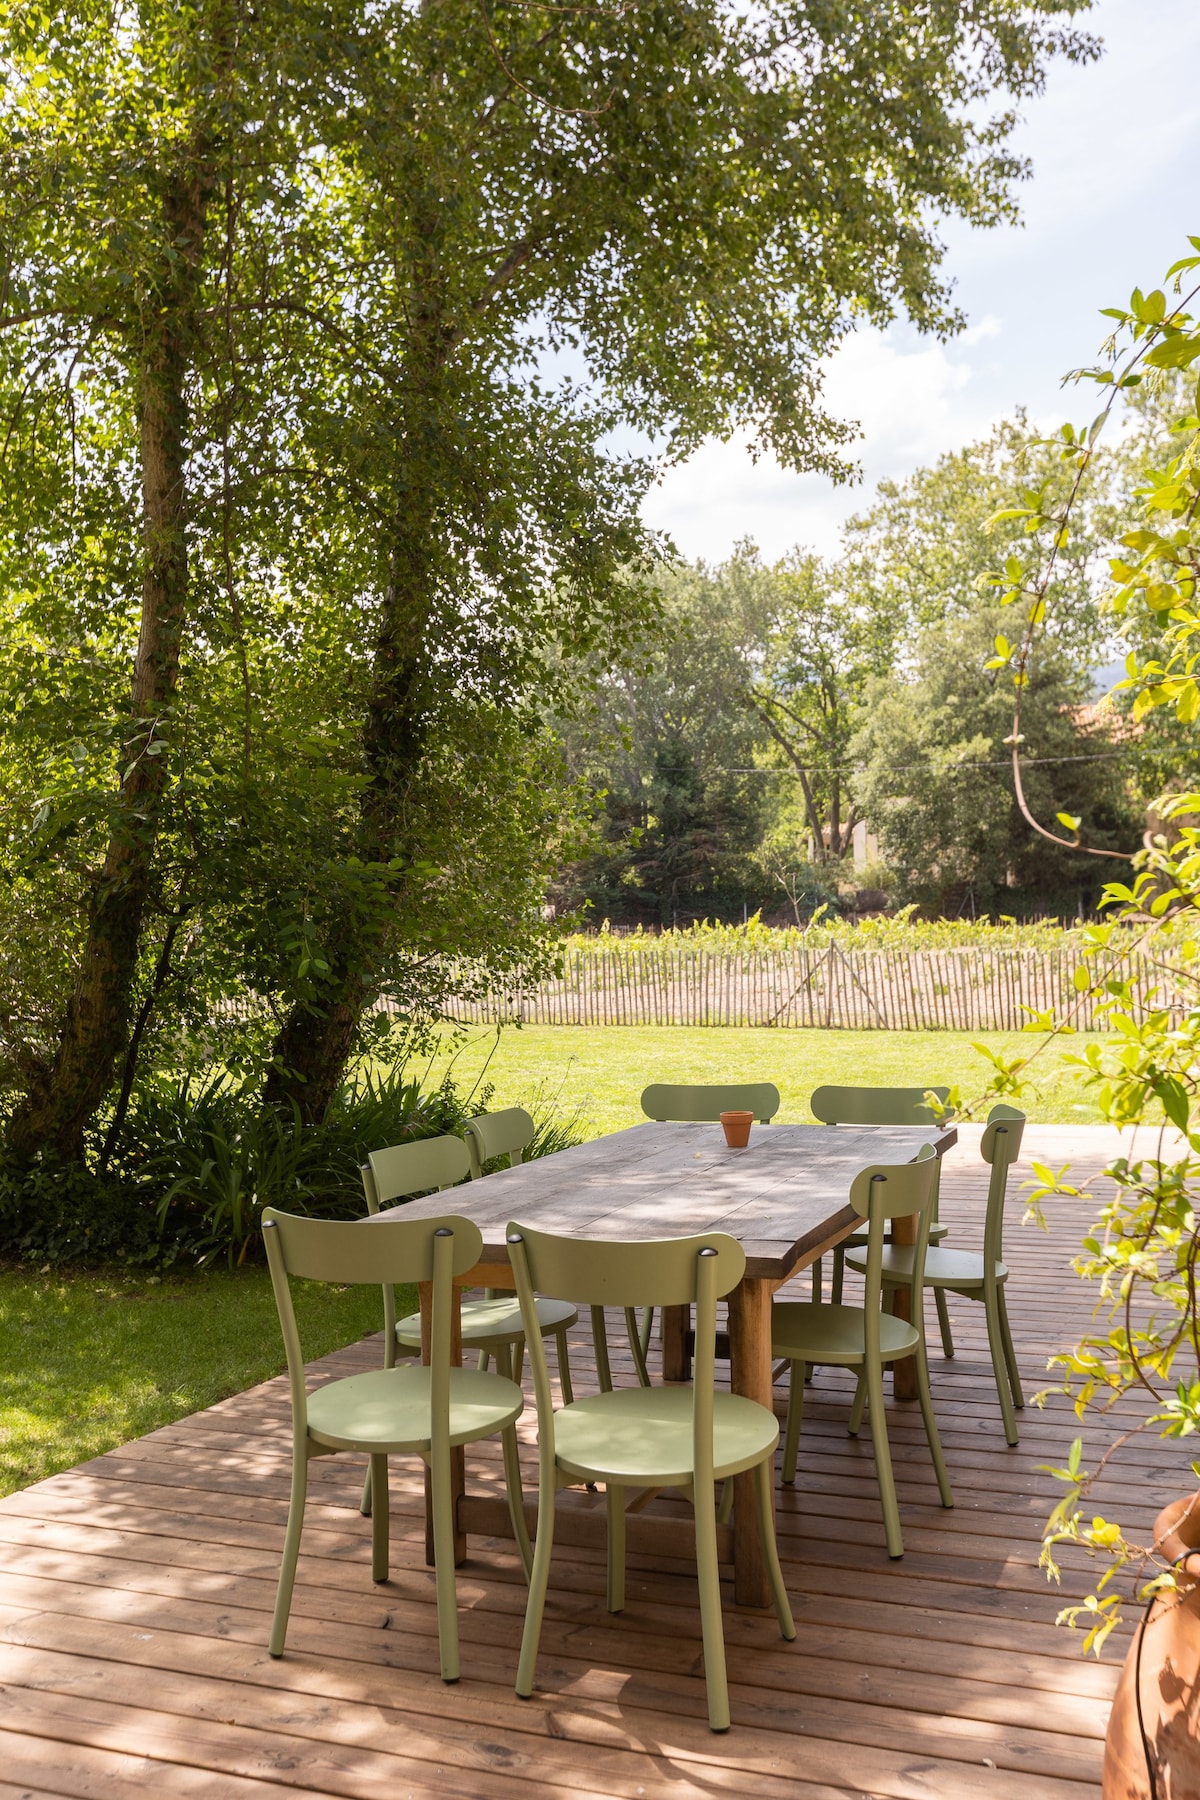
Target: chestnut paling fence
887, 987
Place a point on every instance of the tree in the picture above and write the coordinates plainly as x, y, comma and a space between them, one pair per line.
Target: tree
695, 203
820, 642
314, 258
668, 745
925, 546
936, 782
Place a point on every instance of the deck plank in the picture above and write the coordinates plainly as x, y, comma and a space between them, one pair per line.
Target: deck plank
135, 1596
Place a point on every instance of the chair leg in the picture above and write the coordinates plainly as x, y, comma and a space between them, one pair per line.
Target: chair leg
291, 1550
991, 1309
512, 1473
518, 1361
516, 1497
443, 1563
634, 1332
795, 1411
725, 1504
380, 1522
600, 1344
564, 1366
943, 1313
539, 1580
364, 1505
614, 1500
647, 1331
1010, 1355
484, 1359
883, 1459
711, 1624
931, 1430
818, 1281
839, 1272
763, 1477
854, 1424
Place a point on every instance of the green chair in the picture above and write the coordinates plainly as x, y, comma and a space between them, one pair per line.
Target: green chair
487, 1137
879, 1106
646, 1438
698, 1103
423, 1412
491, 1326
491, 1135
866, 1337
977, 1277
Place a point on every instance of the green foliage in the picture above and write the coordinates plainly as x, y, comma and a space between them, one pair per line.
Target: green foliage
670, 744
1142, 1250
923, 550
200, 1156
901, 929
936, 780
399, 520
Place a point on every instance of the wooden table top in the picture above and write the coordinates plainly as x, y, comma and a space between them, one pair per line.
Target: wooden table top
782, 1197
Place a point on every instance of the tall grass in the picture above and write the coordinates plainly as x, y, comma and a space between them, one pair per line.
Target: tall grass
200, 1158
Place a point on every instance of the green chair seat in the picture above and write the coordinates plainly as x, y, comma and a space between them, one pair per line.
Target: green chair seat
642, 1437
491, 1324
811, 1333
959, 1270
388, 1411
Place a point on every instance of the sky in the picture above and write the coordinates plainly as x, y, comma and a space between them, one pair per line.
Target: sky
1115, 147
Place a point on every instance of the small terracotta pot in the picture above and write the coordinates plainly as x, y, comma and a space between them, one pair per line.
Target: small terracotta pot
1167, 1678
736, 1126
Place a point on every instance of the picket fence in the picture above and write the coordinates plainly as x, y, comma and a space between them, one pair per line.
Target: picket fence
882, 987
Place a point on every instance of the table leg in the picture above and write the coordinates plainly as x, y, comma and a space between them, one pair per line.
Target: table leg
904, 1372
750, 1359
458, 1460
676, 1323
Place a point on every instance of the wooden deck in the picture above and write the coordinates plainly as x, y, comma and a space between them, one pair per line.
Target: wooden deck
135, 1594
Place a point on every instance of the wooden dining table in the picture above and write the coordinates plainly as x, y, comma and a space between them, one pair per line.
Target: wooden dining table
785, 1198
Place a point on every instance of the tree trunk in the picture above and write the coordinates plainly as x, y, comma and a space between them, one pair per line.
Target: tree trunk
315, 1043
66, 1092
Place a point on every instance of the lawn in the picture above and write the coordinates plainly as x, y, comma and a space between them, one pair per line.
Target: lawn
596, 1073
88, 1361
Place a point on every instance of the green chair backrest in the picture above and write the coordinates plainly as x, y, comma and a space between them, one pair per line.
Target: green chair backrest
894, 1191
506, 1133
875, 1105
700, 1103
1000, 1146
654, 1272
417, 1168
358, 1254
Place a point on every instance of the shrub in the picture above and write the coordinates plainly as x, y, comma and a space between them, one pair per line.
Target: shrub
200, 1157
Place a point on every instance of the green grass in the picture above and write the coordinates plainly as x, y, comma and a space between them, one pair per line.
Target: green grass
88, 1361
597, 1073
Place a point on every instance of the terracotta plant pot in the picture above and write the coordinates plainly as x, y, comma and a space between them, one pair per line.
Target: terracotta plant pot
1167, 1678
736, 1126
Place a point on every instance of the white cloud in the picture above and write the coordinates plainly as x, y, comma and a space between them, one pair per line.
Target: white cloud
911, 404
1110, 204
